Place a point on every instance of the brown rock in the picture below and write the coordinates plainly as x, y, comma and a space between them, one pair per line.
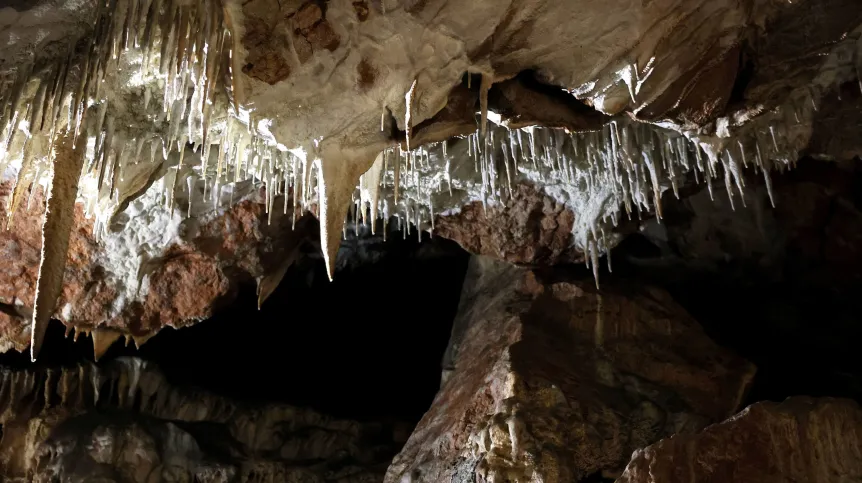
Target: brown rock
551, 381
362, 10
521, 105
528, 228
303, 48
185, 288
20, 245
267, 66
803, 440
310, 23
265, 60
124, 421
322, 36
365, 75
307, 16
702, 94
457, 118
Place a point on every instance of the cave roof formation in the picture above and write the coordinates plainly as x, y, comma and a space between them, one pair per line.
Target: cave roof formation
141, 114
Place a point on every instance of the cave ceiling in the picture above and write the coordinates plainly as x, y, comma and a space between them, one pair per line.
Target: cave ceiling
135, 116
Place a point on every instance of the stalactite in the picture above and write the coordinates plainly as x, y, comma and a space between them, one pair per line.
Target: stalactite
269, 282
56, 229
194, 61
338, 178
369, 188
409, 105
103, 339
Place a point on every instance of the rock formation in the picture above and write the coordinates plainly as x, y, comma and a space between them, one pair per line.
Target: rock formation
801, 439
125, 422
158, 155
155, 268
552, 381
195, 101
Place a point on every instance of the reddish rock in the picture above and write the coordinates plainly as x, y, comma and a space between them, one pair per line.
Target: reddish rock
185, 289
529, 228
266, 43
802, 440
20, 246
194, 275
551, 381
322, 36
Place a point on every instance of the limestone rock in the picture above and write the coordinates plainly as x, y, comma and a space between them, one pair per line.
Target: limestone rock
551, 381
157, 268
125, 422
285, 85
802, 439
530, 228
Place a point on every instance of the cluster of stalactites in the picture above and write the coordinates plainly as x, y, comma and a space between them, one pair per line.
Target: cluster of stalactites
138, 46
291, 180
636, 161
186, 47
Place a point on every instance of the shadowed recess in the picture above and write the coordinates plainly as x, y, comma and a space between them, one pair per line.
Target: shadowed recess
367, 346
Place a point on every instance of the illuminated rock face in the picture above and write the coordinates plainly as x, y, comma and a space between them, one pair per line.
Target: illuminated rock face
433, 107
155, 270
157, 154
552, 381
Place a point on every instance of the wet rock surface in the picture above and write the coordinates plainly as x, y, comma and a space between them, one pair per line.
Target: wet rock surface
548, 380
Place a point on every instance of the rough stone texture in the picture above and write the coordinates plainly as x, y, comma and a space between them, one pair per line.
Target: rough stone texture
274, 33
695, 61
125, 422
193, 276
550, 381
837, 124
327, 72
522, 102
530, 228
803, 440
21, 244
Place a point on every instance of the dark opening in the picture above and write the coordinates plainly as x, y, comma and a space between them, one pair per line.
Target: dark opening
367, 346
744, 76
533, 80
794, 314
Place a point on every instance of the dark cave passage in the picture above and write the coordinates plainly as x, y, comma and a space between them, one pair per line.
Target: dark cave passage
780, 292
367, 346
803, 341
